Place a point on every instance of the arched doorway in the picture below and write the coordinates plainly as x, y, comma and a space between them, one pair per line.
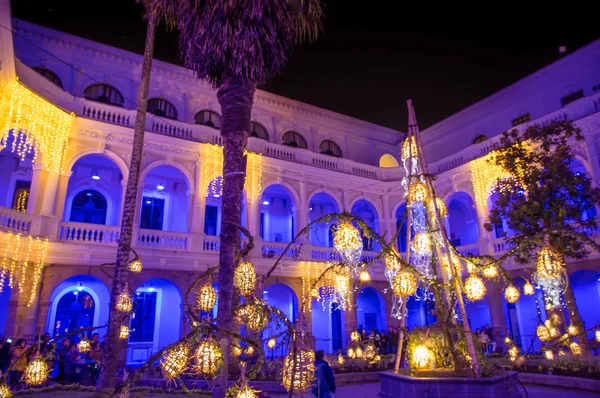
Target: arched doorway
419, 310
370, 310
586, 288
478, 313
15, 179
401, 224
94, 191
212, 209
4, 300
320, 205
284, 299
462, 220
155, 320
277, 215
78, 302
165, 200
368, 214
328, 324
523, 317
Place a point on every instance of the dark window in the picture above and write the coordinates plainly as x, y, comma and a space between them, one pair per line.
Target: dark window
330, 148
521, 119
571, 97
48, 74
89, 207
143, 317
21, 196
75, 310
105, 94
294, 139
161, 107
208, 118
479, 138
210, 220
152, 213
258, 131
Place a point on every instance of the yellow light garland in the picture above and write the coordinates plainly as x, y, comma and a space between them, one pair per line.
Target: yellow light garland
485, 174
369, 353
246, 392
135, 266
124, 332
244, 278
549, 263
417, 192
422, 357
351, 353
249, 351
206, 298
598, 335
208, 358
422, 243
340, 359
392, 263
123, 303
575, 348
446, 265
254, 316
298, 370
175, 361
528, 289
359, 352
36, 372
441, 206
409, 148
22, 201
543, 333
555, 319
474, 288
84, 346
364, 276
236, 350
404, 284
512, 294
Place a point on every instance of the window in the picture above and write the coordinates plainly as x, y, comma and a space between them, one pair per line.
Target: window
571, 97
75, 310
143, 318
521, 119
21, 196
161, 107
104, 93
89, 207
152, 213
211, 220
330, 148
208, 118
294, 139
48, 74
479, 138
258, 131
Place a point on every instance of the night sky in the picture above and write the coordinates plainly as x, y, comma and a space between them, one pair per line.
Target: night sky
374, 55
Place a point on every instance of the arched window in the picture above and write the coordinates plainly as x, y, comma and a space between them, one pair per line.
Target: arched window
294, 139
89, 207
330, 148
161, 107
258, 131
208, 118
104, 93
480, 138
48, 74
75, 310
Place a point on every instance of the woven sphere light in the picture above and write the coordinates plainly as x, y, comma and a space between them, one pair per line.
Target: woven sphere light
364, 276
246, 392
5, 391
555, 319
340, 359
354, 336
249, 351
417, 192
513, 351
271, 343
409, 148
123, 332
391, 263
208, 357
474, 288
236, 350
36, 372
351, 353
575, 348
298, 370
549, 263
254, 316
84, 346
446, 265
512, 294
528, 289
175, 361
348, 242
431, 204
244, 278
598, 335
543, 333
124, 302
572, 330
422, 243
207, 297
549, 355
369, 353
135, 266
359, 352
489, 272
422, 357
404, 284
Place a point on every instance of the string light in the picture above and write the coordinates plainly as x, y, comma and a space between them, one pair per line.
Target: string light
208, 358
489, 272
298, 370
124, 332
22, 199
348, 242
575, 348
409, 148
369, 353
364, 276
598, 335
244, 278
135, 266
441, 207
249, 351
512, 294
417, 192
404, 284
207, 298
549, 355
555, 319
485, 174
246, 392
351, 353
36, 125
543, 333
549, 263
340, 359
392, 265
422, 243
5, 391
175, 361
572, 330
271, 343
422, 357
528, 289
236, 350
359, 352
354, 336
446, 264
254, 316
474, 288
36, 372
124, 301
84, 346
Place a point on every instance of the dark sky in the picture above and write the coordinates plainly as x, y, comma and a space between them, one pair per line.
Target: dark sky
374, 55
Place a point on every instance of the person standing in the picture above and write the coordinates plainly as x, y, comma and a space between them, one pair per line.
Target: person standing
18, 361
492, 344
62, 359
324, 384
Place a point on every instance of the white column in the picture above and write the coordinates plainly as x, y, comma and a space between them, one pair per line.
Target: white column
198, 202
50, 191
385, 218
253, 210
482, 216
34, 188
63, 184
119, 215
302, 213
592, 154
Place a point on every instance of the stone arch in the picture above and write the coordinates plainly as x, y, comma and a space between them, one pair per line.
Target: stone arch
370, 310
586, 288
328, 325
462, 222
336, 198
361, 207
164, 162
292, 191
121, 164
320, 204
278, 219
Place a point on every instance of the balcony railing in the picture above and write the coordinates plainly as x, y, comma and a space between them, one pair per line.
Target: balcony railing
91, 234
162, 240
14, 221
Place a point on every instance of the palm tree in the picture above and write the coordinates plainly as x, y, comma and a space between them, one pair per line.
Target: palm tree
121, 275
236, 45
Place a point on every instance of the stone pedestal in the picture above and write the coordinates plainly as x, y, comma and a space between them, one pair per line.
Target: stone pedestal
398, 385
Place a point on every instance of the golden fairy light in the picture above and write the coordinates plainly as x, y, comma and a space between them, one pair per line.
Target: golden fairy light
244, 278
271, 343
124, 302
84, 346
246, 392
549, 263
392, 264
543, 333
22, 201
598, 335
254, 316
441, 207
351, 353
572, 330
298, 370
206, 298
507, 340
409, 148
354, 336
340, 359
175, 361
474, 288
513, 351
135, 266
236, 350
422, 244
555, 319
528, 289
124, 332
369, 353
5, 391
512, 294
208, 357
489, 271
249, 351
549, 355
404, 284
364, 276
455, 262
348, 242
554, 333
359, 352
575, 348
422, 357
485, 174
36, 372
377, 358
417, 192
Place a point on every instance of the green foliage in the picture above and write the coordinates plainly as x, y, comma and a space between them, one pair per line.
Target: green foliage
544, 199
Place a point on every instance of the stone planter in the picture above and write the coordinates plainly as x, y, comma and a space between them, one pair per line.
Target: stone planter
398, 385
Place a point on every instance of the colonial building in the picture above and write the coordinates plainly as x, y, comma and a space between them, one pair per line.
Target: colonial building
77, 100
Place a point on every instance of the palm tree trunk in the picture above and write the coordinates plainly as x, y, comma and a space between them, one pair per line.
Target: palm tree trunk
235, 96
121, 277
575, 318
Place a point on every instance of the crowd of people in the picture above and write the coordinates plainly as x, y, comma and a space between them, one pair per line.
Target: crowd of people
386, 343
67, 364
486, 341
